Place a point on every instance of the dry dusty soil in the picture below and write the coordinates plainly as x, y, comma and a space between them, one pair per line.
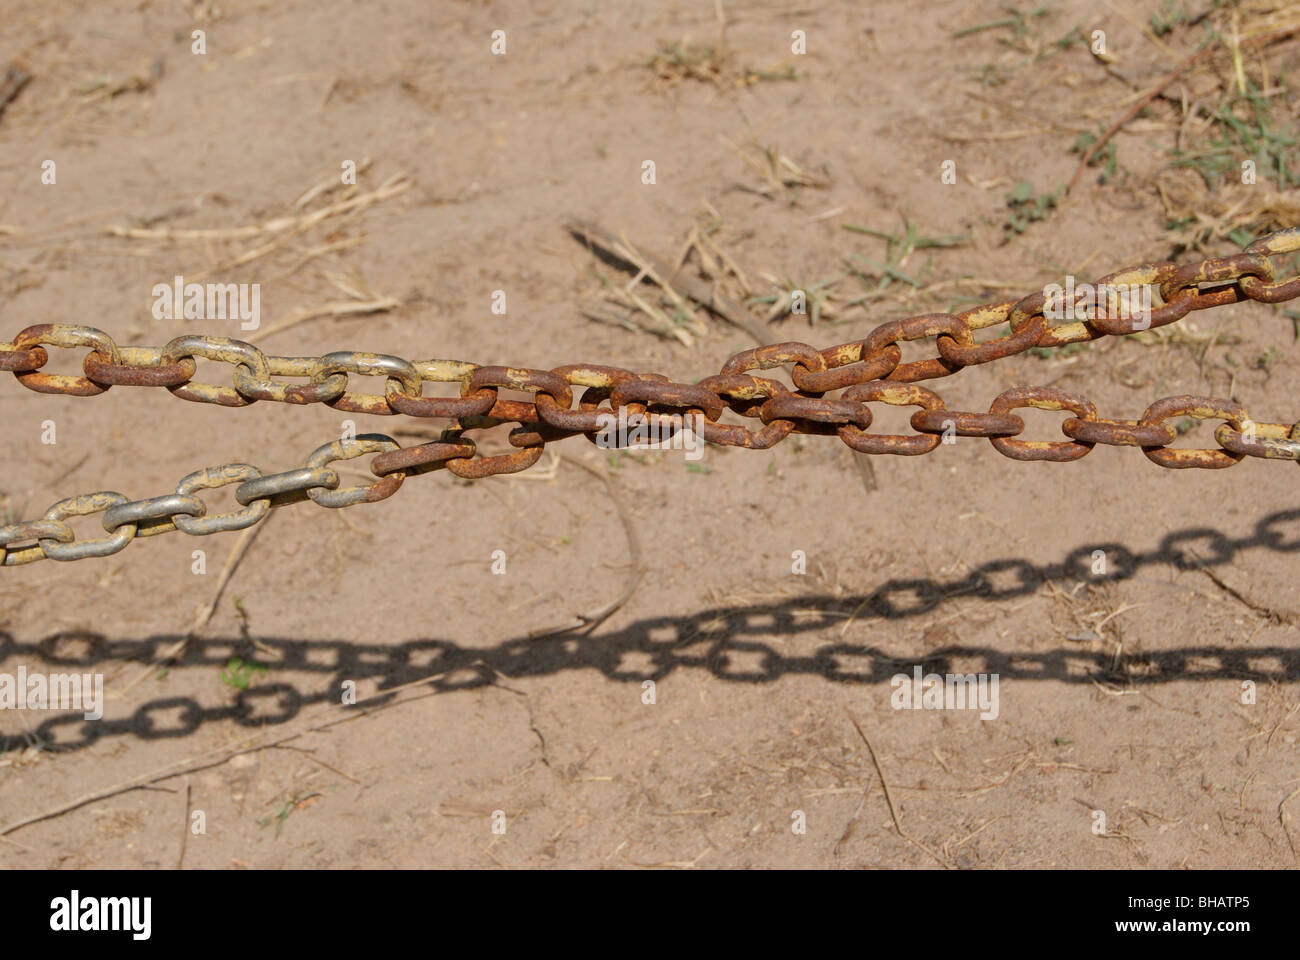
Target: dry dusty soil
776, 593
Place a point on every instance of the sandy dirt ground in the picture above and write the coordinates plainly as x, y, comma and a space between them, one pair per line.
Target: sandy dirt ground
1120, 692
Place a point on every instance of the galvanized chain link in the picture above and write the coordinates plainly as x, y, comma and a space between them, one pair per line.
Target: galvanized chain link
868, 370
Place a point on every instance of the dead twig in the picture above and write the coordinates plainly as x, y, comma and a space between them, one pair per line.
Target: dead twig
1145, 100
218, 756
889, 799
1284, 818
1141, 104
683, 285
853, 821
390, 188
185, 829
591, 620
15, 79
204, 614
1268, 613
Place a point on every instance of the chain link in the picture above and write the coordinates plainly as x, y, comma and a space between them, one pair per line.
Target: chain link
1249, 275
869, 370
125, 519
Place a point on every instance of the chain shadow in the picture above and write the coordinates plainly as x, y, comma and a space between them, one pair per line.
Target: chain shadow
652, 648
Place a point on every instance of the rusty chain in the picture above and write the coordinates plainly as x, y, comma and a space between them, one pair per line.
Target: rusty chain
124, 519
867, 370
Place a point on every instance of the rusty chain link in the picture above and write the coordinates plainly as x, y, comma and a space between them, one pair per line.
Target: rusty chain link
124, 519
868, 370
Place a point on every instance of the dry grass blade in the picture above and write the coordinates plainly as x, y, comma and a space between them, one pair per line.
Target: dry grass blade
1284, 819
1218, 212
589, 621
1260, 34
889, 798
395, 185
340, 308
600, 312
329, 185
780, 174
683, 285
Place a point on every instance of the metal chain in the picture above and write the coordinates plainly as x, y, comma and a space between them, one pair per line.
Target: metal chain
867, 370
1249, 275
125, 520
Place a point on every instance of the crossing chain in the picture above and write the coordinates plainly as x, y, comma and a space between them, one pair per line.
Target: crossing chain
868, 370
